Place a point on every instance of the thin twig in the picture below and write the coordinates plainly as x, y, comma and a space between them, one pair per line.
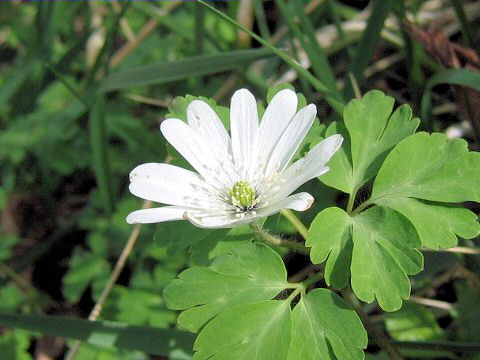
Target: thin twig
122, 260
458, 249
147, 29
431, 302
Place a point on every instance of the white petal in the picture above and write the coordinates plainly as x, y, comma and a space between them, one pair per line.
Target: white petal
212, 221
244, 129
309, 167
195, 150
275, 120
291, 139
168, 184
208, 125
155, 215
299, 202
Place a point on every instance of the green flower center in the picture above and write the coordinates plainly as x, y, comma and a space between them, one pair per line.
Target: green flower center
242, 195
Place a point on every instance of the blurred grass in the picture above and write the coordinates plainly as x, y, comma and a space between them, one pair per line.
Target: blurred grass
84, 86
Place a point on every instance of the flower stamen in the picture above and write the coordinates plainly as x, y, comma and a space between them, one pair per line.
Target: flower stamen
242, 196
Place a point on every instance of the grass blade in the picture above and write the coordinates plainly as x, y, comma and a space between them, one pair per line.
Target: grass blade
370, 38
319, 58
98, 143
460, 77
467, 33
107, 334
316, 83
182, 69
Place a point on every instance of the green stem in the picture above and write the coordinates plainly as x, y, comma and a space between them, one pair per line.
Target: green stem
277, 241
313, 279
361, 207
69, 87
296, 222
21, 282
351, 201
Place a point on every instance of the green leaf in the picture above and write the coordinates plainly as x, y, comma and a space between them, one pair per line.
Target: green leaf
219, 242
383, 256
149, 307
88, 352
374, 130
370, 132
376, 247
330, 237
182, 69
14, 345
177, 236
106, 334
85, 268
247, 274
413, 322
6, 245
320, 322
100, 161
445, 172
431, 168
462, 77
252, 331
340, 174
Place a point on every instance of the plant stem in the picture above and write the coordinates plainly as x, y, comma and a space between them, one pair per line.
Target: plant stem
351, 201
296, 222
122, 260
277, 241
360, 207
20, 281
313, 279
381, 339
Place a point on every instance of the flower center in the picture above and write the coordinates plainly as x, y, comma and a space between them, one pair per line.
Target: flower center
242, 195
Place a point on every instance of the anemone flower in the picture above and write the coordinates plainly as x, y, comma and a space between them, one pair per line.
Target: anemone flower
238, 178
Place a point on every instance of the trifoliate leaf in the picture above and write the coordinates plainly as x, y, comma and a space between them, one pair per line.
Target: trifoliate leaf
383, 256
372, 131
253, 331
429, 167
230, 304
323, 321
247, 274
329, 236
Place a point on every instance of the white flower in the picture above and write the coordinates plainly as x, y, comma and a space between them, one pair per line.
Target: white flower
239, 178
